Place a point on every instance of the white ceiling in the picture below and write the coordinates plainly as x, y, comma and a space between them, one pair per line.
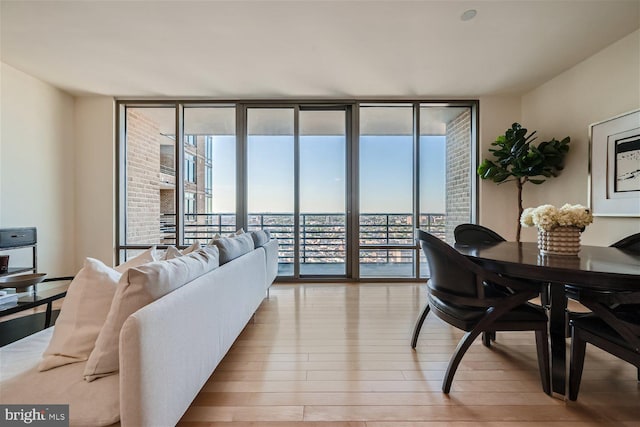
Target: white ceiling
306, 49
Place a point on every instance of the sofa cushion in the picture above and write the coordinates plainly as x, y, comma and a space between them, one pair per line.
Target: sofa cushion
22, 355
233, 247
83, 313
138, 287
140, 259
90, 404
260, 238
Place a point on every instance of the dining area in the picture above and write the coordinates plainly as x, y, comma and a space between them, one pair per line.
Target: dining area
485, 285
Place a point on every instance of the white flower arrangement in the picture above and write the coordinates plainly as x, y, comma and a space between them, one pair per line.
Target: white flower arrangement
548, 217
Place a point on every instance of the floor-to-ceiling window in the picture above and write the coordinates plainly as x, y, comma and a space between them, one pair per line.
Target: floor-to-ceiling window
322, 192
148, 215
341, 185
387, 247
270, 178
446, 179
210, 172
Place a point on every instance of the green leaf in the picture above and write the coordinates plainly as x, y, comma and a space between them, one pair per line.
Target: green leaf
500, 177
515, 156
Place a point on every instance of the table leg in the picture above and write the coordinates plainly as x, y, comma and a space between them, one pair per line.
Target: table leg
557, 325
47, 319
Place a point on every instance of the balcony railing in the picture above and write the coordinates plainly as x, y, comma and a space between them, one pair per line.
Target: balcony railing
322, 235
169, 170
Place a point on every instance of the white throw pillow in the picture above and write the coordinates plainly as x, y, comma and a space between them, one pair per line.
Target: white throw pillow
83, 313
231, 248
213, 251
260, 238
138, 287
140, 259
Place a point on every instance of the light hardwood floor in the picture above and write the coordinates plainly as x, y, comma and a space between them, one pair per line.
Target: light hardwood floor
340, 355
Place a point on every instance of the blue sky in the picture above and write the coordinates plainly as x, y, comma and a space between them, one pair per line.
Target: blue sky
385, 174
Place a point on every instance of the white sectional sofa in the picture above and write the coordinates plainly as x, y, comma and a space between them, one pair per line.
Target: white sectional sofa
167, 349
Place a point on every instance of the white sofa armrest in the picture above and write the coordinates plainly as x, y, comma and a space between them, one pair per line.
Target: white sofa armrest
271, 252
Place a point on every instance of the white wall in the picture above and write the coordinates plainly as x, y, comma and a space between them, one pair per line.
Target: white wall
603, 86
37, 166
95, 179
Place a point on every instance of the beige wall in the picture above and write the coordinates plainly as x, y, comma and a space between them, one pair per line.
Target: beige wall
498, 204
603, 86
95, 179
37, 166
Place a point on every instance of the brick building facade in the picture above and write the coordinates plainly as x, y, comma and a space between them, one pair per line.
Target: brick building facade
151, 183
458, 175
143, 179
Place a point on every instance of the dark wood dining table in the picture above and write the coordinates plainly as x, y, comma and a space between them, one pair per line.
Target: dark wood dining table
596, 267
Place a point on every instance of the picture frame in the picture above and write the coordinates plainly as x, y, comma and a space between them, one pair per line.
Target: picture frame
614, 166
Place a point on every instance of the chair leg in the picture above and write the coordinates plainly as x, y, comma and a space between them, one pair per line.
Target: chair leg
418, 327
486, 338
576, 364
462, 348
542, 346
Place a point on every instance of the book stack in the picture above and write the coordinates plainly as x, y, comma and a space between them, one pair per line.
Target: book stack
8, 298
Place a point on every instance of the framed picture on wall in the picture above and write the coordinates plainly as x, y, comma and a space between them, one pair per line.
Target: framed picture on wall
614, 166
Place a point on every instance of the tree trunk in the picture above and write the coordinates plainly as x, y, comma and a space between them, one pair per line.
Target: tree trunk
519, 182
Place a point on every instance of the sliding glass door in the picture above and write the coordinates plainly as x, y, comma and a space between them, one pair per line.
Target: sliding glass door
271, 178
296, 186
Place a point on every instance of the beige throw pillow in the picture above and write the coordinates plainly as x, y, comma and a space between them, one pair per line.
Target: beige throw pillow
83, 313
138, 287
194, 247
171, 252
237, 233
140, 259
213, 239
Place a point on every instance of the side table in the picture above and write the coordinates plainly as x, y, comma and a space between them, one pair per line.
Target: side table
49, 290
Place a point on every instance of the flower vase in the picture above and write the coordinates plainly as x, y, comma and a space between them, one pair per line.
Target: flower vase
564, 240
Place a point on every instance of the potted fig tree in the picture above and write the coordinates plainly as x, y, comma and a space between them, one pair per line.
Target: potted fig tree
516, 159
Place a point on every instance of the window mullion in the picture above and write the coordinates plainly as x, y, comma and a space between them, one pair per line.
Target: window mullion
180, 174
